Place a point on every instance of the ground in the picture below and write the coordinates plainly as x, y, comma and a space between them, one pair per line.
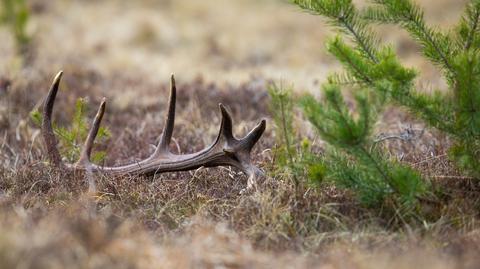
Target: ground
220, 52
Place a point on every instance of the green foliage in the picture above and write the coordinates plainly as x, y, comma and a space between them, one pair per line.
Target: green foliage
71, 138
281, 106
351, 160
291, 157
375, 68
457, 54
333, 120
435, 45
15, 14
469, 27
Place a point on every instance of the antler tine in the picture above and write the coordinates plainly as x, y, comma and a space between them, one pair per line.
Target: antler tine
246, 142
226, 127
47, 129
166, 135
92, 134
252, 138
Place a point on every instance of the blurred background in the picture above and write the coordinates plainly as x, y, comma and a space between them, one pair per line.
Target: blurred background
220, 51
227, 41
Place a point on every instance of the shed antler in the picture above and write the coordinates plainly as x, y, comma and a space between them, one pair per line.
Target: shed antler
225, 151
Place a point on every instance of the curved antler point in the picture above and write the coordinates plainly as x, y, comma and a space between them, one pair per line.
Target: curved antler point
224, 110
226, 125
225, 114
58, 76
103, 104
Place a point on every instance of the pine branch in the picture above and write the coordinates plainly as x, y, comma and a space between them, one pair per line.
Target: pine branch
343, 15
473, 29
467, 95
351, 61
341, 113
411, 17
423, 106
361, 39
372, 160
344, 79
472, 19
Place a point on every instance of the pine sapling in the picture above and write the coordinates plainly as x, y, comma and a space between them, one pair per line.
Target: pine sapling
292, 156
372, 66
72, 137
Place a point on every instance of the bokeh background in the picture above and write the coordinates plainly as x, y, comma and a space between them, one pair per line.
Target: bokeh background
227, 41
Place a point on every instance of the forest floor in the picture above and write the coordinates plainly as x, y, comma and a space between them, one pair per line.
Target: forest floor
221, 52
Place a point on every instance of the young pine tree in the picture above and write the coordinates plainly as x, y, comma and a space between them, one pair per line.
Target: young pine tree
455, 52
373, 71
292, 158
72, 137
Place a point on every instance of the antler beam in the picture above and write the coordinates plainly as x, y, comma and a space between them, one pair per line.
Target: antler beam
225, 151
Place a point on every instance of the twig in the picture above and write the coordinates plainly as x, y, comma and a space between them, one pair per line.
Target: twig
453, 177
429, 159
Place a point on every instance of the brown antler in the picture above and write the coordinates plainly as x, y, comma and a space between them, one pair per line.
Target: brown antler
225, 151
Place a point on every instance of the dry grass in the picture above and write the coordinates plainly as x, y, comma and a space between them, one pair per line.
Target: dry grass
48, 218
124, 50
